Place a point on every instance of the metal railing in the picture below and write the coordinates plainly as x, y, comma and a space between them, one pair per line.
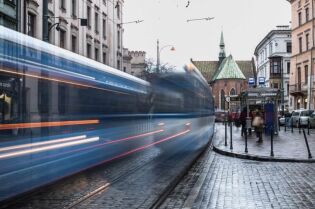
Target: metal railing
298, 87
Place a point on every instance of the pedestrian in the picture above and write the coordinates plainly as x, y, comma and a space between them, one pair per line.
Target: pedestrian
258, 123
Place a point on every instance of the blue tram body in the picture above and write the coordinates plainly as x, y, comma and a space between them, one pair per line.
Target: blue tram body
61, 113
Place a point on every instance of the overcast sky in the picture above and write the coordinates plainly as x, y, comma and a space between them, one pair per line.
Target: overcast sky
244, 23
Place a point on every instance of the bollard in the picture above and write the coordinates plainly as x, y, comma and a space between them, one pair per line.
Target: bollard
299, 123
291, 125
308, 126
271, 142
225, 140
307, 146
246, 149
231, 138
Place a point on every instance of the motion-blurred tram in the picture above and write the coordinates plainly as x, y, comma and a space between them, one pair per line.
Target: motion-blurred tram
61, 113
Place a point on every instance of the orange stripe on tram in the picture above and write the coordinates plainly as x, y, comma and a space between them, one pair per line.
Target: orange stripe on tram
47, 124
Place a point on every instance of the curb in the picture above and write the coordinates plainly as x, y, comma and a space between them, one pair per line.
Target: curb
261, 158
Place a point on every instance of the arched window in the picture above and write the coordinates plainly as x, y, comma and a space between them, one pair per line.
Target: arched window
222, 98
232, 92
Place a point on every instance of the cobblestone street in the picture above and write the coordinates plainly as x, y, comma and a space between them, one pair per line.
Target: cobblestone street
218, 181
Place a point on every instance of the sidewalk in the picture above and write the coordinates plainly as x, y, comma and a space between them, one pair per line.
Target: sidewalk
288, 147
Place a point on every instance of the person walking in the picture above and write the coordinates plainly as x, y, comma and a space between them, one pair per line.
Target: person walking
258, 123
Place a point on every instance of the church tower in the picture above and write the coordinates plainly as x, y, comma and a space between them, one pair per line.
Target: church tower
222, 55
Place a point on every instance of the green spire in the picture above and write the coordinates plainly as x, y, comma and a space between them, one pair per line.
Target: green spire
222, 55
222, 40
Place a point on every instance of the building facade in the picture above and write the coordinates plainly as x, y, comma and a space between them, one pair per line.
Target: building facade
9, 14
273, 58
226, 76
302, 80
100, 40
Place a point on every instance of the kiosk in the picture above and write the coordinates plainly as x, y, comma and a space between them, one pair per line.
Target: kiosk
265, 100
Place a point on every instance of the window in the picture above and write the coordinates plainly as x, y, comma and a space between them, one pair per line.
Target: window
104, 58
307, 41
88, 50
118, 39
307, 15
276, 85
288, 67
88, 16
31, 24
96, 22
62, 40
118, 64
232, 92
299, 78
118, 10
73, 43
96, 54
300, 18
306, 74
74, 8
288, 89
275, 66
222, 98
300, 44
124, 69
63, 4
104, 28
289, 47
50, 34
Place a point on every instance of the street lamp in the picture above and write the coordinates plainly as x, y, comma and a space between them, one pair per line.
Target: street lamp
158, 51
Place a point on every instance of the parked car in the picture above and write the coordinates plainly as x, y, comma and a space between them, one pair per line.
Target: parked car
285, 120
301, 116
312, 120
282, 121
220, 115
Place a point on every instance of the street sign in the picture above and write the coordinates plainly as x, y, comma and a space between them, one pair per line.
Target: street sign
261, 80
227, 98
251, 81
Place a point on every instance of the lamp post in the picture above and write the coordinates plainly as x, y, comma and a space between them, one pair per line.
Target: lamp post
158, 52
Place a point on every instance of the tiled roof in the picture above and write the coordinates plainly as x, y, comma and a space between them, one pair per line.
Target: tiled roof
228, 69
247, 68
207, 68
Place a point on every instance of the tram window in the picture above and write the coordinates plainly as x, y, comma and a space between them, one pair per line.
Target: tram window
5, 112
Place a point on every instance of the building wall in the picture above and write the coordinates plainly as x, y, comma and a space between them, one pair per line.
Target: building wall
275, 44
137, 63
302, 90
9, 13
226, 85
105, 46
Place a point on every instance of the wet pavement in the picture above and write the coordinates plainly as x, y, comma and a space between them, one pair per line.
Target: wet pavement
288, 146
146, 180
217, 181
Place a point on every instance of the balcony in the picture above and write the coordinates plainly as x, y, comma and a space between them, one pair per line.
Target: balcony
275, 75
298, 89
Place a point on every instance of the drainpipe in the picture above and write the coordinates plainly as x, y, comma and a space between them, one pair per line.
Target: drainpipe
24, 17
311, 76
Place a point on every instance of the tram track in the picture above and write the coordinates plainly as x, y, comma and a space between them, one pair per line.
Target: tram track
103, 188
